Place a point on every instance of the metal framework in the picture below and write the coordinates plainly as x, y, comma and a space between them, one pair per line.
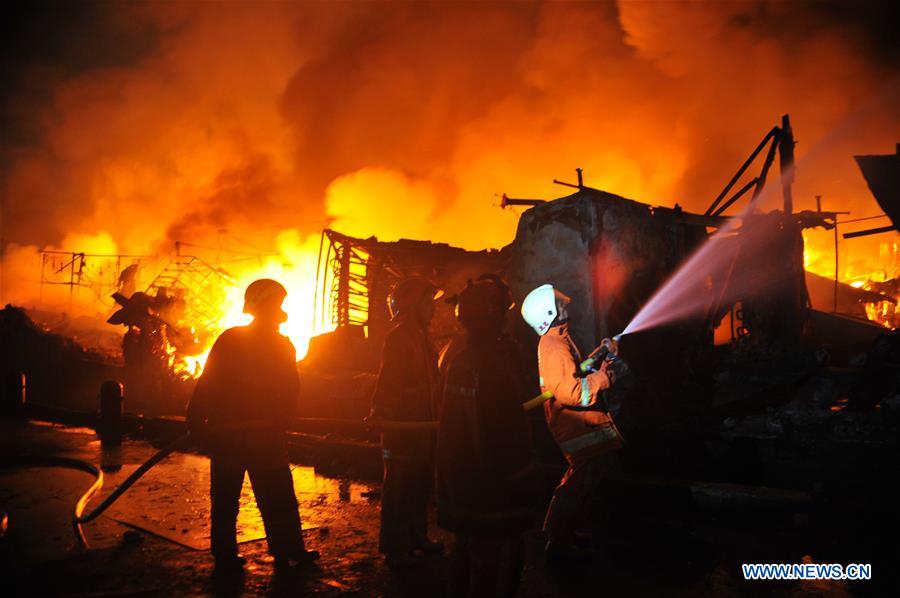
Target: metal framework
76, 269
344, 296
204, 286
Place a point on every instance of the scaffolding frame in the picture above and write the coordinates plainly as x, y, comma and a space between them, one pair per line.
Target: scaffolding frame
342, 294
204, 285
75, 262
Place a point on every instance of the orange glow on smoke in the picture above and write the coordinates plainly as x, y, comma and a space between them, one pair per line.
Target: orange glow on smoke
331, 114
295, 268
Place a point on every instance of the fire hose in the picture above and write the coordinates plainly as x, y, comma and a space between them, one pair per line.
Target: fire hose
79, 517
608, 349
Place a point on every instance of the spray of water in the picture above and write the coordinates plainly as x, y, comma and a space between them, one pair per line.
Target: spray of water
745, 260
683, 295
749, 247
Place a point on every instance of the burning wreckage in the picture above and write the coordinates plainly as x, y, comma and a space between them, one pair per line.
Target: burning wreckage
746, 370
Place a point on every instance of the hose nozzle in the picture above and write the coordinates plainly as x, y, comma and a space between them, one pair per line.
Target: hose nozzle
609, 347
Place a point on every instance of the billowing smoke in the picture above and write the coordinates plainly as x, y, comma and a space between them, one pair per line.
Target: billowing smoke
408, 119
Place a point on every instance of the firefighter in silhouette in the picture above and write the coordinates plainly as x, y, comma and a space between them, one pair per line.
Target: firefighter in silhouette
247, 393
486, 470
406, 391
127, 282
577, 418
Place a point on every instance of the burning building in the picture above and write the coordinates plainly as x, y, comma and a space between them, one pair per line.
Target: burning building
158, 157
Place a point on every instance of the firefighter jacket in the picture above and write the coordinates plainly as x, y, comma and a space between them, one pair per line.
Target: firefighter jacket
406, 389
487, 477
250, 386
577, 421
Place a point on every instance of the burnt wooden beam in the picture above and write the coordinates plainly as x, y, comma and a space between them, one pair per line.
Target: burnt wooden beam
871, 231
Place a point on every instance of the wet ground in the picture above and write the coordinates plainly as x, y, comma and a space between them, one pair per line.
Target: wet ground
153, 541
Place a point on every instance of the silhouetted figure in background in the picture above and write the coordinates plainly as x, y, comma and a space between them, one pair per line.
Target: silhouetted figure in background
127, 282
487, 475
244, 399
407, 391
148, 376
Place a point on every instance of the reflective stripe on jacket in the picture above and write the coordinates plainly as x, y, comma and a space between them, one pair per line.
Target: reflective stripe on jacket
579, 426
406, 389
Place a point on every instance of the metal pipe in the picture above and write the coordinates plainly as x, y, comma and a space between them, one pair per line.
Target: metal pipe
112, 404
510, 201
861, 219
871, 231
736, 197
744, 167
786, 155
767, 164
836, 270
565, 184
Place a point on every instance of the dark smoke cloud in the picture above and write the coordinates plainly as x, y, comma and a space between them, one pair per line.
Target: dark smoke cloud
157, 122
395, 84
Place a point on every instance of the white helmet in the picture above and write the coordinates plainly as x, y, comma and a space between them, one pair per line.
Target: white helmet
539, 308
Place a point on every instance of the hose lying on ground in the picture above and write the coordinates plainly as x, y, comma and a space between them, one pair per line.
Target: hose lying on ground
78, 464
126, 484
79, 517
184, 441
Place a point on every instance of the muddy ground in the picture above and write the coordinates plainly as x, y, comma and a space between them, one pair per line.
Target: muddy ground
153, 541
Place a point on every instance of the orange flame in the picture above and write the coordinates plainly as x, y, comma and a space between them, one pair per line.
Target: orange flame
819, 258
295, 268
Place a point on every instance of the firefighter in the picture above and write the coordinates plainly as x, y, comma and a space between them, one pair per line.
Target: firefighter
248, 390
486, 470
576, 416
406, 390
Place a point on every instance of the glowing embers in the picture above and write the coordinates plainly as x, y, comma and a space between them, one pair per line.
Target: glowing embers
879, 275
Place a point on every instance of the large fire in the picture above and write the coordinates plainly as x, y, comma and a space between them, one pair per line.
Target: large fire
407, 120
295, 267
867, 272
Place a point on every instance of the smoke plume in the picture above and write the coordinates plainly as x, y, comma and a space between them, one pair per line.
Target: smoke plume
181, 121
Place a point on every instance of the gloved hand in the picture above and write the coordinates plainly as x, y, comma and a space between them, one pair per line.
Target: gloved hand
618, 370
609, 371
611, 344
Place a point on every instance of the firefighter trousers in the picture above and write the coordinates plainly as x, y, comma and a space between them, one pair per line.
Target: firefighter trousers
408, 481
486, 566
567, 511
273, 487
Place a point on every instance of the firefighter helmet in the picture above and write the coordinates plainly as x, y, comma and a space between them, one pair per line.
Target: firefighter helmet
502, 287
261, 293
408, 293
485, 300
539, 307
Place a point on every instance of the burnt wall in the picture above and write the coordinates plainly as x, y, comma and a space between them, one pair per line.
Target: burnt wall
605, 251
611, 254
554, 244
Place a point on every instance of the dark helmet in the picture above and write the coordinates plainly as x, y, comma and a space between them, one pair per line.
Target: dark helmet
263, 293
502, 287
408, 293
483, 301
